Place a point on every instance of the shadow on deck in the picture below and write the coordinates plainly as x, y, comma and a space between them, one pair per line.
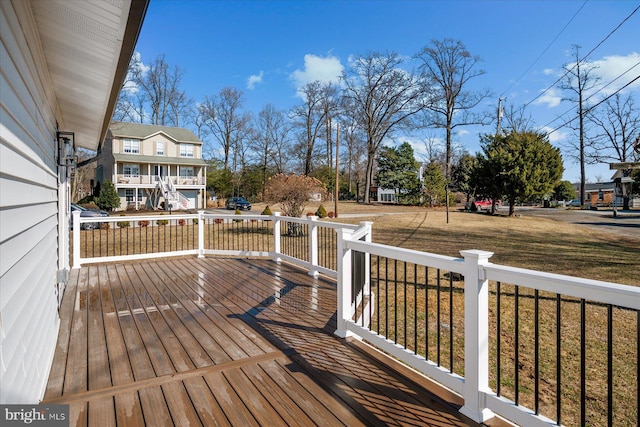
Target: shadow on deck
223, 341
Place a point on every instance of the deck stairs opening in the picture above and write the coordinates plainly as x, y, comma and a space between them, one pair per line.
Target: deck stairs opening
174, 200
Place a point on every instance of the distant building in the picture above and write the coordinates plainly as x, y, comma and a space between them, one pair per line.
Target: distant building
153, 166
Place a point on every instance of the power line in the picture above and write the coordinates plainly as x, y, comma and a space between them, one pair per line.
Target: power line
593, 94
545, 49
594, 106
578, 62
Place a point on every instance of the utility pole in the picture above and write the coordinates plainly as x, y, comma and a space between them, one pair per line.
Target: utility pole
335, 208
499, 114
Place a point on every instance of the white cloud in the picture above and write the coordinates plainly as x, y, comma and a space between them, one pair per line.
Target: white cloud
556, 136
610, 68
548, 71
325, 69
551, 98
254, 79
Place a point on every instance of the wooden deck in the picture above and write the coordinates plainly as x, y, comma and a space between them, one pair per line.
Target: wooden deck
221, 341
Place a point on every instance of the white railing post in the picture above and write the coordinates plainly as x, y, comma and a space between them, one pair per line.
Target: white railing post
76, 239
313, 245
276, 237
476, 339
201, 226
345, 296
367, 258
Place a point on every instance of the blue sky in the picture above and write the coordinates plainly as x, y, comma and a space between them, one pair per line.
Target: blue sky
269, 48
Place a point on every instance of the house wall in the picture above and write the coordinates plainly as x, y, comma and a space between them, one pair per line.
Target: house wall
32, 200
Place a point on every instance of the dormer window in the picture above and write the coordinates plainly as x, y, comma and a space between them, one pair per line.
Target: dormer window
186, 150
159, 148
131, 146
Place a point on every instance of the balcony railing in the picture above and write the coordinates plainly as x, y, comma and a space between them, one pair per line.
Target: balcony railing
121, 179
533, 347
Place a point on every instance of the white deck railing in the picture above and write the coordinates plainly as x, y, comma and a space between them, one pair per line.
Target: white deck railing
354, 312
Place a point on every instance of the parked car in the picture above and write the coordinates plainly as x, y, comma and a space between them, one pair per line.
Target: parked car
88, 213
238, 203
485, 204
574, 203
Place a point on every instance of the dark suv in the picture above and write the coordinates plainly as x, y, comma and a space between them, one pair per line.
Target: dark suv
238, 203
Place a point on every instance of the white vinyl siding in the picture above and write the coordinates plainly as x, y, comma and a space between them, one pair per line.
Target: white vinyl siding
28, 212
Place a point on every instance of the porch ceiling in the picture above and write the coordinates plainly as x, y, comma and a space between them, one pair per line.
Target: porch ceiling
87, 47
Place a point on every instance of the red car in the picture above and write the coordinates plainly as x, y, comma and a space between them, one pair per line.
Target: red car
485, 204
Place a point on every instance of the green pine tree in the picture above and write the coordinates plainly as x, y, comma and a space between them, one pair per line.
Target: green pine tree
108, 198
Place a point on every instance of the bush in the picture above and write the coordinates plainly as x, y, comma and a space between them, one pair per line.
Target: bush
330, 214
238, 213
123, 224
143, 223
321, 212
108, 198
162, 221
267, 211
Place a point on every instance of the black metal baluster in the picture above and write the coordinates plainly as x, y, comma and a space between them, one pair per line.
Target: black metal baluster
583, 371
498, 334
415, 310
516, 344
558, 360
609, 365
536, 350
450, 322
439, 328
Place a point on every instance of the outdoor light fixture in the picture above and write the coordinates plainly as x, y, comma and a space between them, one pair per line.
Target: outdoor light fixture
66, 151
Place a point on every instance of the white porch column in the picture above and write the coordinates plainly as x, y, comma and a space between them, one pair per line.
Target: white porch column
476, 339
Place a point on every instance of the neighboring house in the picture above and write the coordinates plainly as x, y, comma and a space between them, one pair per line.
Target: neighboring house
62, 65
153, 166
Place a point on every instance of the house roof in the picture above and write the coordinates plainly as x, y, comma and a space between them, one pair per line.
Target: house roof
87, 47
144, 131
161, 160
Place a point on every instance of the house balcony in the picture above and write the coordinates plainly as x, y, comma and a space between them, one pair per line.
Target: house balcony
130, 181
267, 320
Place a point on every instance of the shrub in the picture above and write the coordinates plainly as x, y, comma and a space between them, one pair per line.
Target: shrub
292, 192
330, 214
162, 221
321, 212
218, 220
267, 211
123, 224
195, 221
238, 213
181, 221
143, 223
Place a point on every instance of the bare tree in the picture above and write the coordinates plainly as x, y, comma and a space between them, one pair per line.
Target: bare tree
579, 78
618, 127
309, 118
516, 121
448, 67
330, 107
353, 138
226, 121
270, 138
384, 99
159, 86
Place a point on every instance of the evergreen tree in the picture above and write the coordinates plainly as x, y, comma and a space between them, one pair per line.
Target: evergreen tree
564, 191
108, 198
434, 184
518, 165
398, 170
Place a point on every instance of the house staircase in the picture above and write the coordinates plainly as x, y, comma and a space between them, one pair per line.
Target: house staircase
173, 199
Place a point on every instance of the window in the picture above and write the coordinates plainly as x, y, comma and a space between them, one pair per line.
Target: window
131, 146
186, 150
130, 195
186, 172
131, 170
159, 148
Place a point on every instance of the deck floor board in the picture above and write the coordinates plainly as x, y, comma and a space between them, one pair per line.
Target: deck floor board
222, 341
